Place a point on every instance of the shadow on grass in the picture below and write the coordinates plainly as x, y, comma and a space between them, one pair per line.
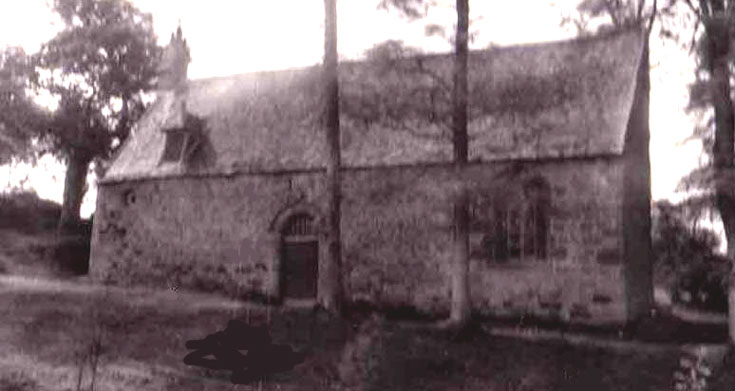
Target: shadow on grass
367, 350
423, 360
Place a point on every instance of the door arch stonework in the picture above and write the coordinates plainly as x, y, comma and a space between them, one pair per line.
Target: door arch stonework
284, 245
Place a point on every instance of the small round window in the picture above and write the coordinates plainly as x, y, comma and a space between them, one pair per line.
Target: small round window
130, 197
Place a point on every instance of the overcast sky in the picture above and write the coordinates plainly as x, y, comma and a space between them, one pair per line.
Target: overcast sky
235, 36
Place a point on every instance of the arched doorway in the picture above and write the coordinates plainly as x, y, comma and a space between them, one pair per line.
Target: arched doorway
299, 257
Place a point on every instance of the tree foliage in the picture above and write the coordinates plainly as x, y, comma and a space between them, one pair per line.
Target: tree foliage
703, 97
413, 9
599, 16
99, 68
20, 117
687, 258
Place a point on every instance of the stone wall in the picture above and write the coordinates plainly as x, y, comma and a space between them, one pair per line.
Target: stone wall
397, 238
209, 234
221, 234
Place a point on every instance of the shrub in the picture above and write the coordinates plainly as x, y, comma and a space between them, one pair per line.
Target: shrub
17, 381
26, 212
692, 374
704, 285
686, 258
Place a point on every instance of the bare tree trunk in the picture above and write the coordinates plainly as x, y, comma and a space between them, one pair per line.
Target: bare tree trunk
459, 98
74, 188
332, 296
461, 305
718, 42
731, 279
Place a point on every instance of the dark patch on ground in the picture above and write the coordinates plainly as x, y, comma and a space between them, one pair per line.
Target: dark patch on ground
262, 357
428, 360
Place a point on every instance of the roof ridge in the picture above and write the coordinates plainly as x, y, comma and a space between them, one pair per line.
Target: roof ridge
587, 39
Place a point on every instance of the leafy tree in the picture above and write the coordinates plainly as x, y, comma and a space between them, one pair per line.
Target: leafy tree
20, 117
332, 294
613, 15
99, 68
461, 307
715, 64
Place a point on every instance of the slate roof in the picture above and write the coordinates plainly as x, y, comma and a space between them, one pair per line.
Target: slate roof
561, 99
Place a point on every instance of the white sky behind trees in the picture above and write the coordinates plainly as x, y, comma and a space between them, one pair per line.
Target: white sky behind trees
236, 36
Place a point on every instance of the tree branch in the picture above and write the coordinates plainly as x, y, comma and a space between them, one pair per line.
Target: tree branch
611, 11
692, 7
651, 18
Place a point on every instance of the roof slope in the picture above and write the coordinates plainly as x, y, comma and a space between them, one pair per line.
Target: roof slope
568, 98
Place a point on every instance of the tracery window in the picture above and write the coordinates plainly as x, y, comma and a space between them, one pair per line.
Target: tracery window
511, 227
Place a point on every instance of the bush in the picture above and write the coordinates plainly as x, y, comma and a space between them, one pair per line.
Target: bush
686, 258
704, 285
17, 381
25, 212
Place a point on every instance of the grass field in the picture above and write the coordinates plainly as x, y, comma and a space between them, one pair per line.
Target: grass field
47, 329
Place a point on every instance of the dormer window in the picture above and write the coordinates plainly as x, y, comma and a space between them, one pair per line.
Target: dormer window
176, 141
181, 143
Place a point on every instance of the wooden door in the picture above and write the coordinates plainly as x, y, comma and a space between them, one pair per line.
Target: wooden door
300, 264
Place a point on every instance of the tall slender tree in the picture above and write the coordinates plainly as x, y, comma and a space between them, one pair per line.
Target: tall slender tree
460, 302
461, 305
331, 294
717, 17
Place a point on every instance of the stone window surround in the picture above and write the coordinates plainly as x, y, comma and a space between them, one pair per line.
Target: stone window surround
536, 197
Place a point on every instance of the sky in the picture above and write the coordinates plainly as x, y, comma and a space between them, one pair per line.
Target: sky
236, 36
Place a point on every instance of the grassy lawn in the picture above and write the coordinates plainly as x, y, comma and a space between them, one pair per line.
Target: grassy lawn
45, 332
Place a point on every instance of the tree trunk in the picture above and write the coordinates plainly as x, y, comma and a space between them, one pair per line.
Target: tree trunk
331, 296
718, 42
731, 282
74, 188
460, 304
459, 98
